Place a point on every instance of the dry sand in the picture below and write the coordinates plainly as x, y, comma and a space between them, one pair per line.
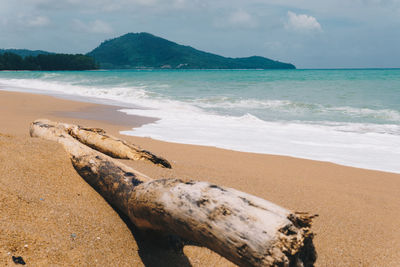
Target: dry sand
50, 216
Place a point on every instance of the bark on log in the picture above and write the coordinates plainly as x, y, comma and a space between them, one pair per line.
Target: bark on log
245, 229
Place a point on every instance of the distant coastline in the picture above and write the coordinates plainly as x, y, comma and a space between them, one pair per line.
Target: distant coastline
135, 51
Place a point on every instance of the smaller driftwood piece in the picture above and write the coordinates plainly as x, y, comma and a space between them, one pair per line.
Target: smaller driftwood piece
99, 140
247, 230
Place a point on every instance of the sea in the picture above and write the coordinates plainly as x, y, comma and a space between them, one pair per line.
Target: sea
345, 116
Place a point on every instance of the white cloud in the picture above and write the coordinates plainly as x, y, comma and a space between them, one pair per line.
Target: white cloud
96, 26
24, 21
242, 18
4, 21
179, 3
38, 21
99, 26
143, 2
381, 2
302, 23
273, 45
237, 19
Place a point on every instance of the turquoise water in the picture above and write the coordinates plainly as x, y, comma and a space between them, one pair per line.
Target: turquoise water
350, 117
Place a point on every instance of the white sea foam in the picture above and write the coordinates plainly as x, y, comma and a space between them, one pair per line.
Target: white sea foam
343, 144
129, 95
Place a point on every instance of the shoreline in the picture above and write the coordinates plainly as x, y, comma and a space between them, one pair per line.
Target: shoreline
109, 111
358, 208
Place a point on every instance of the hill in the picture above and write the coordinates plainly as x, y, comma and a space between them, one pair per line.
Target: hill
24, 52
144, 50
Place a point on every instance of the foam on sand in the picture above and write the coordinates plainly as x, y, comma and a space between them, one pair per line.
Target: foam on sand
371, 150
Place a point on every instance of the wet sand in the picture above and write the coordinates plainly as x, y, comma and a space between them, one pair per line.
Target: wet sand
50, 216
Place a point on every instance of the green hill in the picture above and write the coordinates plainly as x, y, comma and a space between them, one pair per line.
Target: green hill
144, 50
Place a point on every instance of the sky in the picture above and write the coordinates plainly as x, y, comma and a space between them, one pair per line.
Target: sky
307, 33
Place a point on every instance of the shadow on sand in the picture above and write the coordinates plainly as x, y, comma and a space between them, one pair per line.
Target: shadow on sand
157, 249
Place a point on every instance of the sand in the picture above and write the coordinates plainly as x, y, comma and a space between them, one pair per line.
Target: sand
50, 216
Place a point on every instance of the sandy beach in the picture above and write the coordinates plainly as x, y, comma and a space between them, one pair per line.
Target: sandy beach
51, 217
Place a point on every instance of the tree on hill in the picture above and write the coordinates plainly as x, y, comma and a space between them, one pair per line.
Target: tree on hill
11, 61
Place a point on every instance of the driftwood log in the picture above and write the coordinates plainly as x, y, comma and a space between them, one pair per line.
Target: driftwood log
245, 229
99, 140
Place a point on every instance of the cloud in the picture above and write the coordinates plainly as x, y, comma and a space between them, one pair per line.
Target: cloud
302, 23
179, 3
38, 21
96, 26
381, 2
242, 18
273, 45
28, 22
237, 19
87, 6
143, 2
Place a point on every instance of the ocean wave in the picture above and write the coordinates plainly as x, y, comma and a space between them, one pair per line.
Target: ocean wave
231, 102
362, 128
50, 75
287, 106
385, 114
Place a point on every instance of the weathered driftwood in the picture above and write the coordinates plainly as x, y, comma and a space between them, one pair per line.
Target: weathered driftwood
245, 229
98, 139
